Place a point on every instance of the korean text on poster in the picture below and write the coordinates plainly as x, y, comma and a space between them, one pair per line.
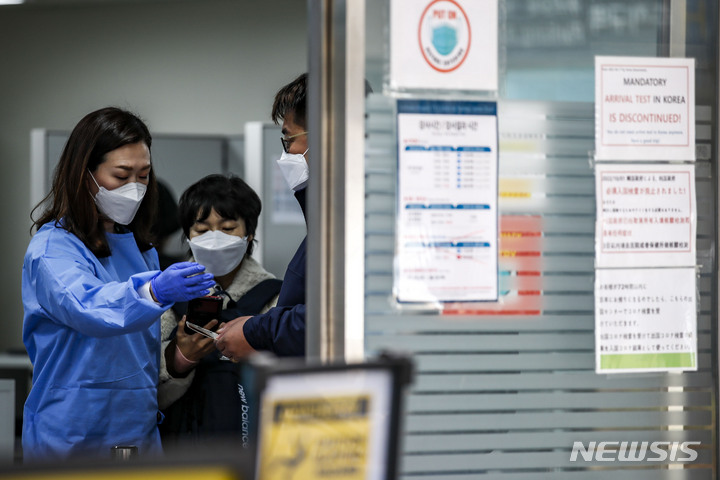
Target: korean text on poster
444, 44
646, 216
645, 320
644, 108
447, 227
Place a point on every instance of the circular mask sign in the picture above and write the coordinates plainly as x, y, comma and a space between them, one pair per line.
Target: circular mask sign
444, 35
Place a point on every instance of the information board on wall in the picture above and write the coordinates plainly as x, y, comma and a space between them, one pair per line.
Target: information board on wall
645, 320
447, 232
444, 44
646, 215
645, 108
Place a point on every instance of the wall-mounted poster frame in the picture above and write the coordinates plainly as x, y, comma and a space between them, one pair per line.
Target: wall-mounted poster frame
447, 220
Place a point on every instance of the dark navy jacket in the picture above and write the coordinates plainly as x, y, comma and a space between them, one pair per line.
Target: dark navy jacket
281, 329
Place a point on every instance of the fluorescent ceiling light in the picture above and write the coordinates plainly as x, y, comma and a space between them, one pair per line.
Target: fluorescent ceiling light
11, 2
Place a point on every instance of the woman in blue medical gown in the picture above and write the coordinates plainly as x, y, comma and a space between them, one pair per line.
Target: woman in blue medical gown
93, 295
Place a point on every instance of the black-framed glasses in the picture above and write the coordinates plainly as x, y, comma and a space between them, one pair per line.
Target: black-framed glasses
286, 141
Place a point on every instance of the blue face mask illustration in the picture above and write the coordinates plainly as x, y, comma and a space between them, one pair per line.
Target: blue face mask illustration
444, 39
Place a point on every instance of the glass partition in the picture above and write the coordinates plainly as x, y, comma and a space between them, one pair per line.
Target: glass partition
509, 387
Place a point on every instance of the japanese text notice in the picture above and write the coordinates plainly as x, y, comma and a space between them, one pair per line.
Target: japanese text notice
645, 320
646, 215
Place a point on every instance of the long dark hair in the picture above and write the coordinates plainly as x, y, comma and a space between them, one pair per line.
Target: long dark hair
228, 194
70, 198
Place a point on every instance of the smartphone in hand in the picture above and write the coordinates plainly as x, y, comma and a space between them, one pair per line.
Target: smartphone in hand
203, 309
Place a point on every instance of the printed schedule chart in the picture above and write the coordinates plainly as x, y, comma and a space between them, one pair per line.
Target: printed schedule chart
447, 201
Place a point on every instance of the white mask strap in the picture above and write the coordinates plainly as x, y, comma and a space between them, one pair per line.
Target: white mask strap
91, 176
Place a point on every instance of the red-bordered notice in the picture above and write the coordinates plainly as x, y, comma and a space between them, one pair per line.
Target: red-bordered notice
646, 215
644, 108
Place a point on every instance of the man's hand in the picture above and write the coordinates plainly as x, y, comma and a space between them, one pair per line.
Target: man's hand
232, 342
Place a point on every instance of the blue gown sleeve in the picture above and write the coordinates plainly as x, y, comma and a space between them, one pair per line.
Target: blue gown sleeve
70, 291
280, 330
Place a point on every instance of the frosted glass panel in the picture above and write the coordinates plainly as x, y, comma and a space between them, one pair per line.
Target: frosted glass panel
499, 384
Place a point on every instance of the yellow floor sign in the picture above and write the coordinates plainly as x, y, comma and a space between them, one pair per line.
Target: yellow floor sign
318, 438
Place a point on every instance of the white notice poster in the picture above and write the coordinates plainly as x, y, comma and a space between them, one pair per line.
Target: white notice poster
645, 320
646, 215
444, 44
447, 233
644, 108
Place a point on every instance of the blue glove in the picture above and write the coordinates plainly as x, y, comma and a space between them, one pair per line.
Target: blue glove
180, 283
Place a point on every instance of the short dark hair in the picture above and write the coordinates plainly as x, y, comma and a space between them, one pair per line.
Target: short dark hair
292, 98
70, 198
228, 194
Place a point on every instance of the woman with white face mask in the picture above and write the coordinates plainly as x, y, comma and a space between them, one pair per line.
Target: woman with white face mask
198, 391
93, 294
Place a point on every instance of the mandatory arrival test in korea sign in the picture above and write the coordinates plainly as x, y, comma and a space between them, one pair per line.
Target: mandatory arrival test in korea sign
444, 44
644, 108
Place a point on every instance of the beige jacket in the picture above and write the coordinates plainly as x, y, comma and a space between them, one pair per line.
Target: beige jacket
170, 389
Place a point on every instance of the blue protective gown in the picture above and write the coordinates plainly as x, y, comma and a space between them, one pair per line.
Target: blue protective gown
94, 344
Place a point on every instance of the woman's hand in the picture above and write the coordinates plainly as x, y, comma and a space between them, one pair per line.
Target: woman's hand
195, 346
181, 282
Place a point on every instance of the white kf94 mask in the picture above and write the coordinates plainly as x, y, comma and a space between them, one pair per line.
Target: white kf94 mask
294, 168
219, 252
120, 204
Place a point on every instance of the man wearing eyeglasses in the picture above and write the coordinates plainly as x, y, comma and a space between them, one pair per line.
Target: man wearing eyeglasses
281, 329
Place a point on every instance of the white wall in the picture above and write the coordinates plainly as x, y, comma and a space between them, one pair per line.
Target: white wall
185, 67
